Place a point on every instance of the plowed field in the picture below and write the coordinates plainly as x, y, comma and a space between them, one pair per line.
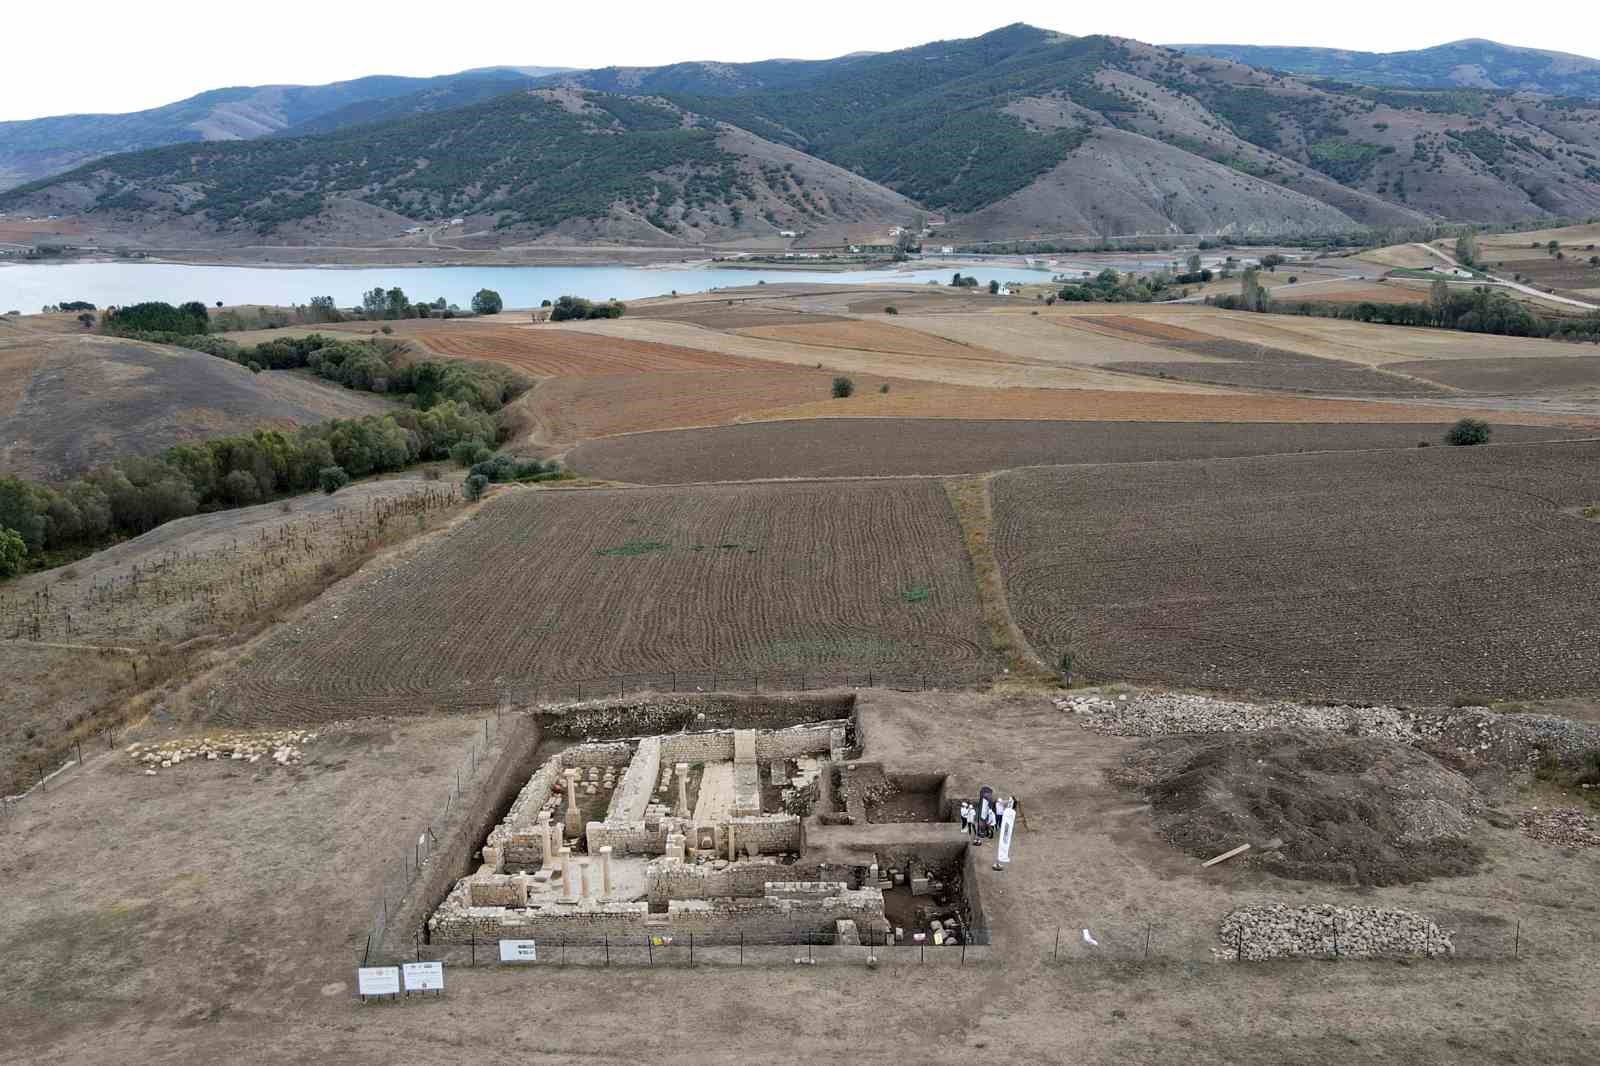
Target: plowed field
1417, 575
860, 447
552, 352
1507, 375
564, 410
929, 400
543, 587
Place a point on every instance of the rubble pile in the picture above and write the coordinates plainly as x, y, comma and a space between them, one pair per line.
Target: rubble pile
282, 746
1278, 931
1566, 827
1468, 734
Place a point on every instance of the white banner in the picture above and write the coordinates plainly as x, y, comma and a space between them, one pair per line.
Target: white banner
518, 951
378, 980
1003, 854
424, 976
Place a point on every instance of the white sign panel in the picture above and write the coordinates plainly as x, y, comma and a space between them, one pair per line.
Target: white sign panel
1006, 825
424, 976
378, 980
518, 951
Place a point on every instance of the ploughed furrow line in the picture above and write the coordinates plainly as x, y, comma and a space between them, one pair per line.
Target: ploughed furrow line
1408, 575
825, 578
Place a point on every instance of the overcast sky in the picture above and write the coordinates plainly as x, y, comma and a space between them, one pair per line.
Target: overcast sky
125, 55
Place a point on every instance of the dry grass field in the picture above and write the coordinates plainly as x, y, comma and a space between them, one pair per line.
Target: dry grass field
70, 402
549, 351
78, 643
878, 447
867, 335
1420, 575
545, 587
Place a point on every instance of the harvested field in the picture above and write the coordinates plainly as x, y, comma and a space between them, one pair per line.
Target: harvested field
1420, 575
1506, 376
865, 447
1267, 368
564, 410
1351, 810
540, 587
1142, 329
1350, 291
547, 351
869, 336
83, 400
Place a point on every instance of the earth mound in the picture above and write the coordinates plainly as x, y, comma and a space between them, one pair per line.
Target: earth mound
1347, 809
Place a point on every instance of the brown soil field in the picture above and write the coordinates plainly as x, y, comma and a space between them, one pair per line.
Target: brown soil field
869, 336
547, 351
1139, 329
1545, 271
565, 410
1352, 291
925, 400
236, 914
1413, 575
872, 447
1588, 233
1404, 256
83, 400
1503, 376
546, 587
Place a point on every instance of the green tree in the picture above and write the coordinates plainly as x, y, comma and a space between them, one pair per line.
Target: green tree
475, 486
487, 302
994, 287
1467, 249
395, 303
13, 552
332, 478
1468, 431
843, 387
20, 512
1251, 295
374, 302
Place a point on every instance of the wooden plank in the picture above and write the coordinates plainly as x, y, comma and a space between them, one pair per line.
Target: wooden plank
1226, 855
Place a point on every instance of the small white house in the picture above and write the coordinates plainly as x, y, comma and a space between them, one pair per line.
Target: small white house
787, 233
1005, 290
458, 221
947, 249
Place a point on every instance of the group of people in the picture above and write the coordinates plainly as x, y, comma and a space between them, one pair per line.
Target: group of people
982, 817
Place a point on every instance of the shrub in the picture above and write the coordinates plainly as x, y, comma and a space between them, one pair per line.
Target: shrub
388, 329
884, 387
1468, 431
843, 387
891, 310
487, 302
13, 552
475, 486
332, 479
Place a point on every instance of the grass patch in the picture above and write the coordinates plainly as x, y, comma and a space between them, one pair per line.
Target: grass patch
916, 594
635, 547
969, 498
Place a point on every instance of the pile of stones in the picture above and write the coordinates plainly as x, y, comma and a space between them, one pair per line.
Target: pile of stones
282, 746
1464, 735
1279, 931
1566, 827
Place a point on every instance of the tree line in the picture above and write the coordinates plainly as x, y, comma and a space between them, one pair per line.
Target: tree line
1482, 309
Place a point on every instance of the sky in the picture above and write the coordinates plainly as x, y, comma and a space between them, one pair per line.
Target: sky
117, 56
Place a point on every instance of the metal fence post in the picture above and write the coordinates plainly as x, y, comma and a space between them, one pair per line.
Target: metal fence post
1516, 943
608, 949
691, 951
1147, 941
650, 946
741, 947
1056, 951
1239, 956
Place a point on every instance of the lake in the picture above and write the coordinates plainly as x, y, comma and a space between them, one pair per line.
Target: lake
27, 287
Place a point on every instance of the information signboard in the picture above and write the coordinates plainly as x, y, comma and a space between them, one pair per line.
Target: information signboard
518, 951
378, 980
424, 976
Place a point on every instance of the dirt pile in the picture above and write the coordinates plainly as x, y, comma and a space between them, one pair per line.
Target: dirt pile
1463, 736
1278, 931
1565, 827
1346, 809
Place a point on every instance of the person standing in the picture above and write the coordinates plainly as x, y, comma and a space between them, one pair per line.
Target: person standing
985, 808
990, 819
966, 816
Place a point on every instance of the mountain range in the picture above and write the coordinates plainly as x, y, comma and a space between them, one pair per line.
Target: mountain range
1019, 133
1469, 64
